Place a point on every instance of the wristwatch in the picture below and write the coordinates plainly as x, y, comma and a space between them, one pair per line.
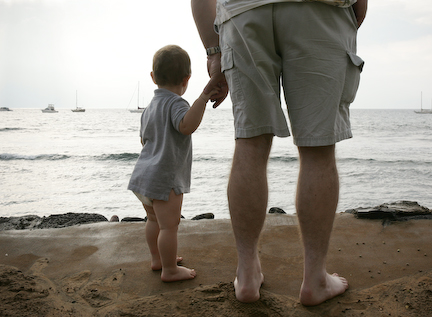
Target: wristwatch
213, 50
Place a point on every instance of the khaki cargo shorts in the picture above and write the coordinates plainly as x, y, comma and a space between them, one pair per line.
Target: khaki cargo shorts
307, 48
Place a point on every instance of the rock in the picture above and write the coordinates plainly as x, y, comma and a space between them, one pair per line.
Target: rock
208, 215
276, 210
134, 219
70, 219
19, 223
114, 218
396, 211
137, 219
53, 221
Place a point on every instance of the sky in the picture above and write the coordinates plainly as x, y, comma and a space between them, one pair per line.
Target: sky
101, 49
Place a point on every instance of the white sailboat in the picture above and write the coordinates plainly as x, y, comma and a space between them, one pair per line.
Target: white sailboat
423, 111
138, 109
77, 109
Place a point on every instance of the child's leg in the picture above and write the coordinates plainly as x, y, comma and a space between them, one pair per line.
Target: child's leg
168, 215
152, 234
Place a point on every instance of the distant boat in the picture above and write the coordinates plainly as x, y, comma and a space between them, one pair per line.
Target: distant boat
423, 111
4, 109
77, 109
49, 109
138, 109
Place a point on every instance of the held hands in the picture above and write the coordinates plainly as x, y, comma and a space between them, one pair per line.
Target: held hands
217, 81
206, 96
192, 118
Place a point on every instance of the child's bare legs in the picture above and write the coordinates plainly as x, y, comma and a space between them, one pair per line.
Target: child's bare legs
152, 234
168, 215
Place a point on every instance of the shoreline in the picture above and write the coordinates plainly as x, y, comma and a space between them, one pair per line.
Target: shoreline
103, 269
396, 211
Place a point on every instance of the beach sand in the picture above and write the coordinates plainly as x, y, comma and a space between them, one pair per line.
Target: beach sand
103, 269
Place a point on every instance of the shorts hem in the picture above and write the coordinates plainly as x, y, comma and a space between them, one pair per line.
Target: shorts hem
250, 133
325, 141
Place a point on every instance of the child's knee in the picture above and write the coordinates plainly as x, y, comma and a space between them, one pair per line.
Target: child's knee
151, 217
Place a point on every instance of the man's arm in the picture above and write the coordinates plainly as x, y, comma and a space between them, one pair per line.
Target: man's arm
204, 13
360, 8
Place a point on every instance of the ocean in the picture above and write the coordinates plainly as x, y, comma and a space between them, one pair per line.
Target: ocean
53, 163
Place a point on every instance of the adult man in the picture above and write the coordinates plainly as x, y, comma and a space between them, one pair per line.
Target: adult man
311, 47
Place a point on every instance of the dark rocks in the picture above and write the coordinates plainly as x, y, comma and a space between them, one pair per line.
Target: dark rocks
114, 218
134, 219
137, 219
53, 221
208, 215
396, 211
70, 219
19, 223
276, 210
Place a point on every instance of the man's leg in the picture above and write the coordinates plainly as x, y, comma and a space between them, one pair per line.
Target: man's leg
316, 202
247, 198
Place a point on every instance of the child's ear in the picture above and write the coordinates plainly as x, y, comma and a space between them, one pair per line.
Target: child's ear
152, 76
186, 80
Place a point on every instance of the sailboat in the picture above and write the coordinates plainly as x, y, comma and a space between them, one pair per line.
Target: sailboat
138, 109
77, 109
423, 111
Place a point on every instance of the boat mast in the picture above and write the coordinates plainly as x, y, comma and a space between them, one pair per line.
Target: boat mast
421, 101
76, 98
138, 96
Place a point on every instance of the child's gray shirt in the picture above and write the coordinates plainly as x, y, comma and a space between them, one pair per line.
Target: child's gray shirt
166, 158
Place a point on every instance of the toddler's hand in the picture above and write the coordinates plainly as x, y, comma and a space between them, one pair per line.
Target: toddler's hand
206, 97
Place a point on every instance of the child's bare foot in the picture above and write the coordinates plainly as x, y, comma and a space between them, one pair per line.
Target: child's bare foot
179, 274
248, 291
156, 264
333, 286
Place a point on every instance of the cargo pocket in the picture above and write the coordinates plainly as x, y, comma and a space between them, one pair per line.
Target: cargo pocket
352, 77
226, 59
231, 75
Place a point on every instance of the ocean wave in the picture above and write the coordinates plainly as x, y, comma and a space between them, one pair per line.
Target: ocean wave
283, 159
202, 158
117, 157
385, 162
48, 157
10, 129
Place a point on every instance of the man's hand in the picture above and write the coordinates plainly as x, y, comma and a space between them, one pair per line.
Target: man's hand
217, 80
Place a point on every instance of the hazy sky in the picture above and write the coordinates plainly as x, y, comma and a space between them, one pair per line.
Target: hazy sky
102, 48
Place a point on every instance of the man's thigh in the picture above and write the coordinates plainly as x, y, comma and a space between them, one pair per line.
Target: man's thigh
252, 68
319, 74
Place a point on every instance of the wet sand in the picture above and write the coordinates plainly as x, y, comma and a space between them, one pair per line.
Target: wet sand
103, 269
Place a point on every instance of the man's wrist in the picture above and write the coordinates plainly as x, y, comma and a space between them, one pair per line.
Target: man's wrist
213, 50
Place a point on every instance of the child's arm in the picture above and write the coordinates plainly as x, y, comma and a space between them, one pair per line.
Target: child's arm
193, 117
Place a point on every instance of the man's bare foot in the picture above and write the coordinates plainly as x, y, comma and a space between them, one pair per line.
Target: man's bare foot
334, 285
247, 289
156, 264
179, 274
